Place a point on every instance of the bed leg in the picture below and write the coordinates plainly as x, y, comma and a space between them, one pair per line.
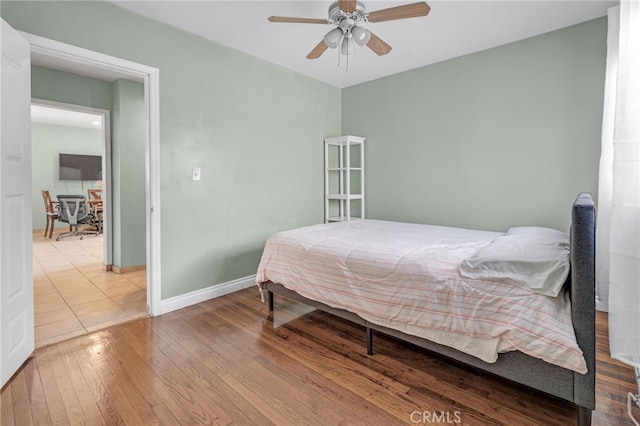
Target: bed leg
270, 296
584, 416
369, 341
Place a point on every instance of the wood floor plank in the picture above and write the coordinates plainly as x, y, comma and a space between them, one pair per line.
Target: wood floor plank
36, 396
237, 407
118, 399
324, 398
70, 400
477, 390
137, 379
309, 398
21, 406
88, 397
424, 401
148, 405
228, 361
344, 372
57, 412
293, 389
99, 379
274, 409
178, 391
206, 382
260, 381
323, 337
6, 404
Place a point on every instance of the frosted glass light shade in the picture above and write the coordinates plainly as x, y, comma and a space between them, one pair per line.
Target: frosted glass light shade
333, 37
361, 35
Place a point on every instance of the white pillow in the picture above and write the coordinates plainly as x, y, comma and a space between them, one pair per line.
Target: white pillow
538, 231
537, 261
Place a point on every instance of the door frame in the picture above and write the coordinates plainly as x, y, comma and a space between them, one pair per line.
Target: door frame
74, 56
106, 166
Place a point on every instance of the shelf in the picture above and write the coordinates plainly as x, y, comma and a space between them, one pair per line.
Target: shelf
345, 197
344, 175
344, 140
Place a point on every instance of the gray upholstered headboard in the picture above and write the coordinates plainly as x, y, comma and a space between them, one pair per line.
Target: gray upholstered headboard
583, 305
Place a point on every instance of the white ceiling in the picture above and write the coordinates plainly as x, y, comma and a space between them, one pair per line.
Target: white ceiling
64, 117
453, 28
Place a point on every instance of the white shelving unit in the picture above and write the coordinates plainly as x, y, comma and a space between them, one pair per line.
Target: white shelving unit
343, 178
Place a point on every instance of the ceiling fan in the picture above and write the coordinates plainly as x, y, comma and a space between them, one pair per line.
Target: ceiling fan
349, 17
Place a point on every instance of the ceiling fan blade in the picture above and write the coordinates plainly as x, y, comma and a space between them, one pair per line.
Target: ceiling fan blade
297, 20
347, 5
399, 12
318, 50
378, 46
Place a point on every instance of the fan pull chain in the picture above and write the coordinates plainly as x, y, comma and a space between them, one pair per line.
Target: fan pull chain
340, 54
347, 67
345, 37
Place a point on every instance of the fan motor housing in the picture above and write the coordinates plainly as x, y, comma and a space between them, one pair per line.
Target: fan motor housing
336, 15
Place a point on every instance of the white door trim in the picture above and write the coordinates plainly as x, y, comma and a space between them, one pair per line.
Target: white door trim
151, 76
106, 166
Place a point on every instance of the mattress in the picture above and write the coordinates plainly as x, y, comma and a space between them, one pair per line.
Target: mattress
406, 277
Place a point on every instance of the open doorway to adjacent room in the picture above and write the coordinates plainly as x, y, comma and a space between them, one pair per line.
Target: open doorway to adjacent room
76, 289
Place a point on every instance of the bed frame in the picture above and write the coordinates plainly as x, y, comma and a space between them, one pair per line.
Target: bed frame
516, 366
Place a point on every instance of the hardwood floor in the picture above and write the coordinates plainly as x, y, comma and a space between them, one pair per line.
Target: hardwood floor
226, 361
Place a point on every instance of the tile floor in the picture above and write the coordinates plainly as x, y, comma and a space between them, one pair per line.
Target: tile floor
74, 295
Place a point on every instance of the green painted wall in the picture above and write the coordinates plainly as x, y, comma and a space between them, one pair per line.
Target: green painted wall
59, 86
503, 137
127, 165
47, 141
70, 88
125, 100
254, 128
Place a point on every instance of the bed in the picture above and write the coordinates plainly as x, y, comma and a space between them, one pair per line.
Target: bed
442, 289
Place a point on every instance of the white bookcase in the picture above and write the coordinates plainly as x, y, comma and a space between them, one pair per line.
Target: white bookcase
343, 178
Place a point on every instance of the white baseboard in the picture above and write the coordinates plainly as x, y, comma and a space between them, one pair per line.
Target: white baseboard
202, 295
601, 306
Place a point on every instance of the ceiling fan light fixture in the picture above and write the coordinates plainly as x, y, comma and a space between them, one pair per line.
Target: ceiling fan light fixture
348, 16
333, 37
361, 35
348, 46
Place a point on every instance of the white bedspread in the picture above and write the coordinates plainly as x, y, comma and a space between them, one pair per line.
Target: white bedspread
405, 276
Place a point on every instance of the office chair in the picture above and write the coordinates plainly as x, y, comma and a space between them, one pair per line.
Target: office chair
73, 210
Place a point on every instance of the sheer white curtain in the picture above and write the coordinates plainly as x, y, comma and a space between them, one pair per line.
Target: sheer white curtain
619, 190
605, 184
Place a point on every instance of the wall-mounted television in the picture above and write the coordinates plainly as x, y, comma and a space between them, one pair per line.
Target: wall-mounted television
80, 167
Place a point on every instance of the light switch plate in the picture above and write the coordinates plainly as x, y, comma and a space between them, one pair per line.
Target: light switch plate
195, 173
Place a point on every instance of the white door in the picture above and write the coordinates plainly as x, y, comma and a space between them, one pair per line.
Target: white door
16, 274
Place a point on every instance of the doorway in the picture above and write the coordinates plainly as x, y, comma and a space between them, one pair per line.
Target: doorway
75, 290
63, 128
19, 49
64, 57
